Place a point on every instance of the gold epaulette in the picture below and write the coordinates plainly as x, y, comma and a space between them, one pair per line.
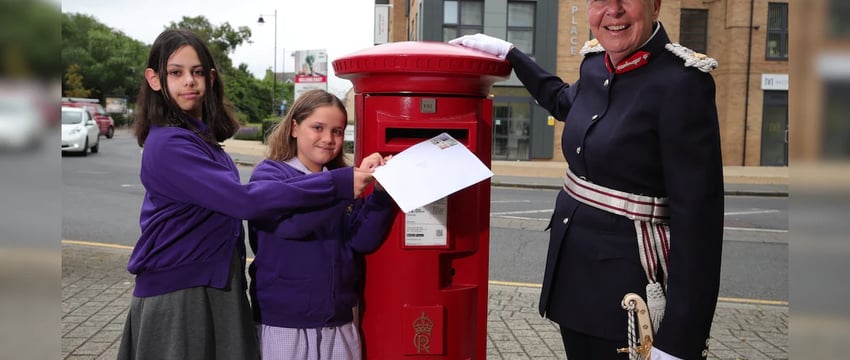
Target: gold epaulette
692, 58
591, 46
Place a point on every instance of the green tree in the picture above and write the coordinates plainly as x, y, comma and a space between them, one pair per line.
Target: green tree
29, 39
110, 62
74, 82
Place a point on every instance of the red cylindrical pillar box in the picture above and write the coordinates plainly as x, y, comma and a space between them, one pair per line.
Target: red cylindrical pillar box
425, 289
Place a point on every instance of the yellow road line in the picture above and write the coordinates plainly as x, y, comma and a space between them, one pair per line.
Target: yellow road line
96, 244
510, 283
491, 282
752, 301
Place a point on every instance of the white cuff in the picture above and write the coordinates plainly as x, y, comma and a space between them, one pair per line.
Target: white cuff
657, 354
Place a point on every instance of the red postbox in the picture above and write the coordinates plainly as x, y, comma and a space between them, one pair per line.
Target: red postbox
425, 293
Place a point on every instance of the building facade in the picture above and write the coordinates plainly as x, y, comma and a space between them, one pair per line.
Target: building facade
749, 39
820, 106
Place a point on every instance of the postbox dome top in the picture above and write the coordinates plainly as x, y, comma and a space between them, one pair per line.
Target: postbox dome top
422, 67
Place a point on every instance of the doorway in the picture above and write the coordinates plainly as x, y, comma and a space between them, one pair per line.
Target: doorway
511, 135
774, 130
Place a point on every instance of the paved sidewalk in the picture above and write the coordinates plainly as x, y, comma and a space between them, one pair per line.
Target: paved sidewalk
96, 292
96, 287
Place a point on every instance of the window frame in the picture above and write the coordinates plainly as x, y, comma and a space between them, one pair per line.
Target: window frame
460, 28
781, 30
837, 25
703, 33
528, 29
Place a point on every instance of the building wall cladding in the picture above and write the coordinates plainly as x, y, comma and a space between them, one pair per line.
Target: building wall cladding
728, 42
733, 39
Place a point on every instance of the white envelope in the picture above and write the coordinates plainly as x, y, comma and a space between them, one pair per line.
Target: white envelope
429, 171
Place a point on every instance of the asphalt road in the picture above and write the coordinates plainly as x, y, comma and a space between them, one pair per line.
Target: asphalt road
102, 195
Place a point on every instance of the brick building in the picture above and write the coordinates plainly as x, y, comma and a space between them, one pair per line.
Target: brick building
820, 108
749, 39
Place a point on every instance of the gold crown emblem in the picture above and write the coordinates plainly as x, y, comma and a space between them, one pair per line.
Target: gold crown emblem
423, 324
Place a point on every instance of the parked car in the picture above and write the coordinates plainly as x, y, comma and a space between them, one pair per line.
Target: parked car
79, 131
21, 123
104, 122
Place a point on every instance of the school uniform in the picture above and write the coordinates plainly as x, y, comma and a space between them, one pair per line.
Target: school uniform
648, 128
305, 278
189, 300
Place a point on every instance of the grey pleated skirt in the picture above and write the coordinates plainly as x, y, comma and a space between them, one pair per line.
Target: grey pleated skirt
197, 323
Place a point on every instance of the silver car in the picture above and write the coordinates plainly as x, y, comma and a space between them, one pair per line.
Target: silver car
79, 131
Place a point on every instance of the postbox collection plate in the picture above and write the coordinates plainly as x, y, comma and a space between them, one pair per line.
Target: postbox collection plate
427, 225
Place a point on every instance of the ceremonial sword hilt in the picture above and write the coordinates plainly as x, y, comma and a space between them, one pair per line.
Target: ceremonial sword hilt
634, 304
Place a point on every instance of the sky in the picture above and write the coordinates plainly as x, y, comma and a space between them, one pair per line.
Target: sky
339, 26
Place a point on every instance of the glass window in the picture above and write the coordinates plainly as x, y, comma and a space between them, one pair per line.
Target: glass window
836, 129
521, 25
521, 14
839, 12
693, 29
777, 31
450, 12
462, 17
472, 13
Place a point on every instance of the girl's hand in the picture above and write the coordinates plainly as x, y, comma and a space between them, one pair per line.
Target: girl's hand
372, 161
362, 179
378, 186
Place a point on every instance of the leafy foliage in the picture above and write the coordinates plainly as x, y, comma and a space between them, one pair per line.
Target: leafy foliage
29, 40
106, 62
74, 81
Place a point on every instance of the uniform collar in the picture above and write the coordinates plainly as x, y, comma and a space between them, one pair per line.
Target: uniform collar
298, 165
640, 57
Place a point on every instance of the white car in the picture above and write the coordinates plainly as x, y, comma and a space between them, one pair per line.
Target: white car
21, 124
79, 131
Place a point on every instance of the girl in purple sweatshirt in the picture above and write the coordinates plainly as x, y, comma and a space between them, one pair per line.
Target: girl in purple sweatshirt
305, 277
189, 301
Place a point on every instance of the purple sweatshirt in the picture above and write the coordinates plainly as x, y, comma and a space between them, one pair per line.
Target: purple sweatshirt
191, 217
306, 271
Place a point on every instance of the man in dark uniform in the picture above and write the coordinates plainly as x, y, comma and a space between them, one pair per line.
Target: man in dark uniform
642, 202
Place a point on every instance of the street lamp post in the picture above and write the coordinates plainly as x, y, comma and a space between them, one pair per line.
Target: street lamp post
274, 67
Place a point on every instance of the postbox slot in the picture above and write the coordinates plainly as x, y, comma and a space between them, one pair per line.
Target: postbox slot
408, 136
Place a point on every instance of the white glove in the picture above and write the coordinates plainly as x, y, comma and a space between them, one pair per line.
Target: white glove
485, 43
656, 354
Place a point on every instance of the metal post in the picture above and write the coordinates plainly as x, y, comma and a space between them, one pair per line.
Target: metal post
275, 104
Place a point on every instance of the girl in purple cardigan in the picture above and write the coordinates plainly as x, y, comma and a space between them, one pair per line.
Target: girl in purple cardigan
189, 301
305, 277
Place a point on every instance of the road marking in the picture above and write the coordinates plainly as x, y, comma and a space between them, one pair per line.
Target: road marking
523, 218
505, 215
754, 229
491, 282
96, 244
520, 212
502, 213
751, 212
752, 301
719, 299
511, 283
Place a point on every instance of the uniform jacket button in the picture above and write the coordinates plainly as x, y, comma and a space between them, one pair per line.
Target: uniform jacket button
605, 84
566, 220
578, 150
594, 117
